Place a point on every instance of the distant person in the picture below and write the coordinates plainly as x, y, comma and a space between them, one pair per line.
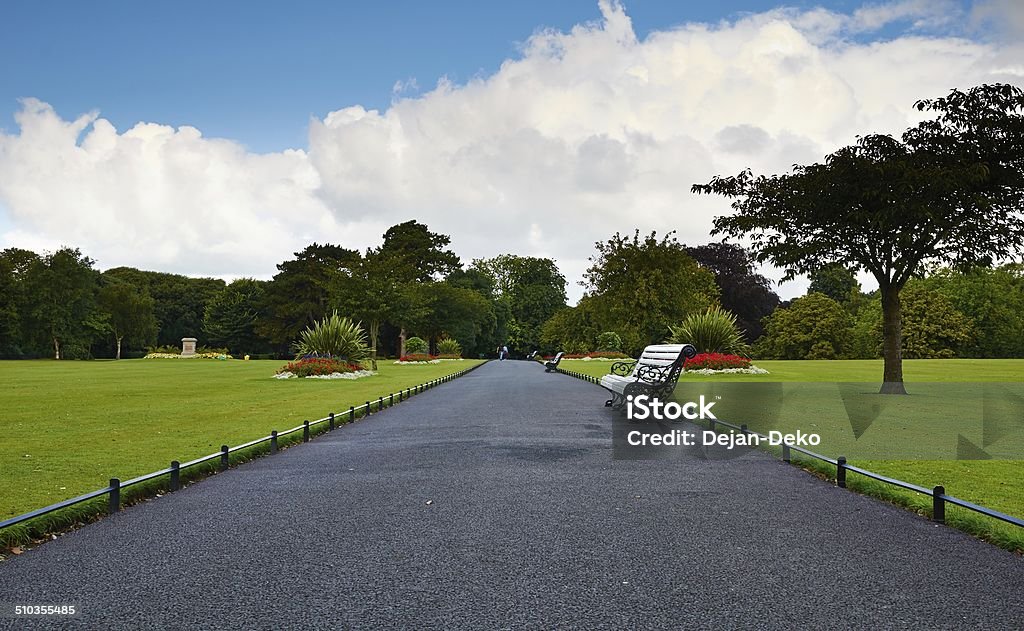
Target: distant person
504, 352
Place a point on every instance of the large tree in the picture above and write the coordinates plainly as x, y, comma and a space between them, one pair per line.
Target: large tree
230, 318
532, 288
298, 295
641, 286
418, 253
60, 309
129, 312
14, 264
950, 190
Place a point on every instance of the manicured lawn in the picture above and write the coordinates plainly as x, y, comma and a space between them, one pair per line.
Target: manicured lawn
914, 438
68, 427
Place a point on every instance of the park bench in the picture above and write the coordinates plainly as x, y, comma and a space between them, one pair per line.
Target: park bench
551, 364
531, 355
655, 373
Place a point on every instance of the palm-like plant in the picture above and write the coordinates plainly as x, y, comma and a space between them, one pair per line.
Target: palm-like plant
334, 336
713, 331
448, 346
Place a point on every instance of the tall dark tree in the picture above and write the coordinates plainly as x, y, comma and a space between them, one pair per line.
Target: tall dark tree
949, 191
533, 290
298, 295
418, 253
14, 264
744, 292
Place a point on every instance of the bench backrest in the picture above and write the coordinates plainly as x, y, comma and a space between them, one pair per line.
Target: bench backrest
557, 358
660, 355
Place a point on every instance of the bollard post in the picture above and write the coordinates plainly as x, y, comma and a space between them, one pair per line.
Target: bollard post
273, 442
841, 472
743, 428
223, 457
391, 399
785, 452
939, 504
711, 424
351, 414
380, 403
114, 504
305, 431
330, 423
367, 409
175, 475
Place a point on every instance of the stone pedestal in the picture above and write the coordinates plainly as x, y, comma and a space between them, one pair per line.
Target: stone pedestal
188, 346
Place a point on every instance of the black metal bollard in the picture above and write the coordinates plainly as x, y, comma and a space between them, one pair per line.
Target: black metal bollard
175, 475
367, 409
223, 457
743, 428
785, 453
330, 422
273, 442
711, 424
114, 504
380, 403
939, 504
391, 399
841, 472
305, 431
351, 414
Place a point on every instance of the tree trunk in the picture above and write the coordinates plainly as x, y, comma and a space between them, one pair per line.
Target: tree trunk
119, 347
892, 342
56, 348
374, 331
401, 343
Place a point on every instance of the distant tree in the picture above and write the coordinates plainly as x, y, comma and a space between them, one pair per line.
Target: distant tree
641, 286
572, 329
812, 327
60, 290
298, 296
534, 290
230, 318
994, 301
129, 312
14, 264
835, 281
179, 302
932, 327
744, 292
417, 253
950, 191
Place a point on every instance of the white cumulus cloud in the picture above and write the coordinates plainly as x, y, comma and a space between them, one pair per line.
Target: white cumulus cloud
584, 134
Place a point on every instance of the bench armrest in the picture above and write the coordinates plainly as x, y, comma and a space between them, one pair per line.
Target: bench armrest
653, 374
623, 368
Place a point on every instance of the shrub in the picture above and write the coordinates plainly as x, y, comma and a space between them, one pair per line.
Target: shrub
609, 341
308, 366
416, 346
333, 337
716, 361
713, 331
447, 347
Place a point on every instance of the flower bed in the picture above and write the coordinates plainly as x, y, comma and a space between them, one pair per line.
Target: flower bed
720, 363
197, 355
419, 358
319, 367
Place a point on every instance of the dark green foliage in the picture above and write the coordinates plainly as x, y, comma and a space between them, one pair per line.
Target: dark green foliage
932, 327
572, 329
129, 311
835, 281
641, 286
744, 292
812, 327
60, 311
993, 299
417, 253
298, 295
230, 318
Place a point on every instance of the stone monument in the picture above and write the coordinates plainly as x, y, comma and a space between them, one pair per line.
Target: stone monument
188, 346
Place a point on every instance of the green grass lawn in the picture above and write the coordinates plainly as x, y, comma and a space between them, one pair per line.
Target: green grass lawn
70, 426
914, 438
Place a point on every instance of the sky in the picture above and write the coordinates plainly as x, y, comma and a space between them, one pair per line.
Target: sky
217, 139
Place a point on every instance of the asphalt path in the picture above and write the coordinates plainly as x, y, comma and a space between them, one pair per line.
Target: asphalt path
494, 502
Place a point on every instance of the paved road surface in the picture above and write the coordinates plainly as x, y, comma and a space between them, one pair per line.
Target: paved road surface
494, 502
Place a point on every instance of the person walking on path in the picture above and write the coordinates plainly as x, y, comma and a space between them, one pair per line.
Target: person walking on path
504, 353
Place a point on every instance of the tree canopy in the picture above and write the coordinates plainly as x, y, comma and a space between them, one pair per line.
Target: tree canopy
951, 190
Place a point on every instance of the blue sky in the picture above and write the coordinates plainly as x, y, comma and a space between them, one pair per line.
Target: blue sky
218, 138
256, 71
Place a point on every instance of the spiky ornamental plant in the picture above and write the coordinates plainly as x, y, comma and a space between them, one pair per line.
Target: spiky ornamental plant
448, 346
334, 336
713, 331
